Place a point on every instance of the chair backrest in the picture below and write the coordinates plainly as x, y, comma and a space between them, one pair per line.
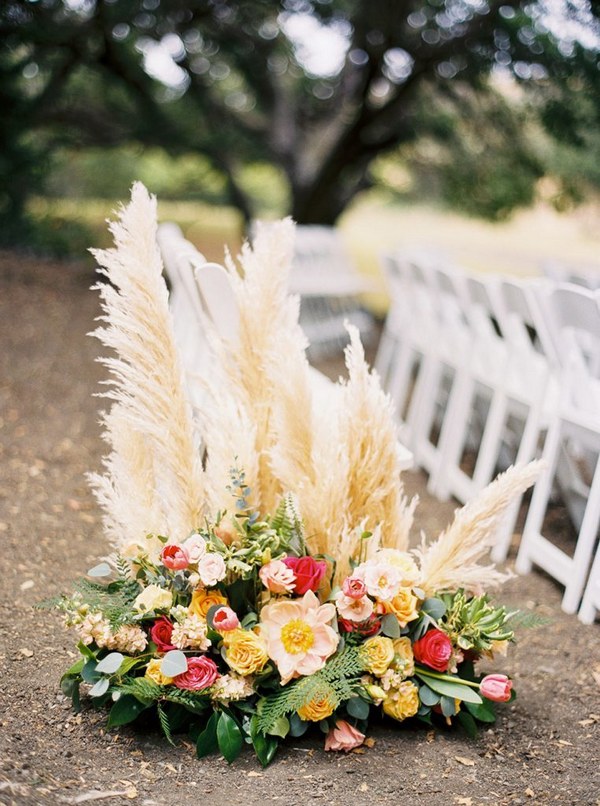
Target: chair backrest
522, 318
575, 315
218, 300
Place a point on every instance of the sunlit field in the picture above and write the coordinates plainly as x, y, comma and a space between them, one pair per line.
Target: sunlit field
371, 227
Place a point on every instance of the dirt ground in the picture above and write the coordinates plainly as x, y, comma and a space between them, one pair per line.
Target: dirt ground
544, 748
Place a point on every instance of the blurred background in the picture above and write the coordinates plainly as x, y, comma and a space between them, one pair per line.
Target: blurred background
471, 126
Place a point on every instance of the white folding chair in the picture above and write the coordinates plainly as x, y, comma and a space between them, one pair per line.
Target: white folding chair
574, 314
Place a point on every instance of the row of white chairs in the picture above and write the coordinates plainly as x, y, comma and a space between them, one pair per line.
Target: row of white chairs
482, 368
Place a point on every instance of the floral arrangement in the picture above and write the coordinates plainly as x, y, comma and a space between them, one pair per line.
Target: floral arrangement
243, 606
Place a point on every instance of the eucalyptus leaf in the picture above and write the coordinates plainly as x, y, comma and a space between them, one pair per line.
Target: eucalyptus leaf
89, 673
434, 607
229, 737
174, 663
390, 626
448, 706
457, 690
100, 570
298, 727
428, 696
358, 708
100, 688
110, 664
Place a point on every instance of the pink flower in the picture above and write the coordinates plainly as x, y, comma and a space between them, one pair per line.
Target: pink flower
309, 573
195, 546
174, 557
343, 737
298, 636
211, 569
354, 587
366, 628
225, 619
353, 609
496, 687
277, 577
160, 634
382, 580
201, 673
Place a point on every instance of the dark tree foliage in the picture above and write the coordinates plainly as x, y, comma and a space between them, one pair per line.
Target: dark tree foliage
79, 72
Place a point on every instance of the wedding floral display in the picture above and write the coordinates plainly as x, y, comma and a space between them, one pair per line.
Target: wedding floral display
261, 581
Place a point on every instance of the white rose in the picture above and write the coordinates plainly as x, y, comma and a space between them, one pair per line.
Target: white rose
211, 569
153, 598
195, 547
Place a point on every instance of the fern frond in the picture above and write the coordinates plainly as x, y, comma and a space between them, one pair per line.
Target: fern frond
142, 689
337, 682
114, 601
522, 620
164, 723
287, 522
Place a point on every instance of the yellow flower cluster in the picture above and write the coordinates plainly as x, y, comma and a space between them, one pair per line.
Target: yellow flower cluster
402, 702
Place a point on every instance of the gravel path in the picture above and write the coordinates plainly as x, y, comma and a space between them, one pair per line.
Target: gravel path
544, 748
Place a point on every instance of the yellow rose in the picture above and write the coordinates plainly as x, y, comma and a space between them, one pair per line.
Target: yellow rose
402, 702
203, 600
153, 598
246, 652
403, 562
404, 660
404, 606
154, 673
376, 693
378, 653
316, 709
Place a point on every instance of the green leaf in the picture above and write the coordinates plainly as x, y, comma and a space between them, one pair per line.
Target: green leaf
206, 742
174, 663
110, 663
468, 723
100, 687
483, 711
298, 727
164, 723
281, 727
358, 708
70, 688
86, 651
74, 670
458, 691
434, 607
126, 709
427, 696
390, 626
229, 737
448, 706
265, 747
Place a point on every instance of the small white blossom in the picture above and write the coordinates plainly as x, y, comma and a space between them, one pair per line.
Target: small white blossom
190, 633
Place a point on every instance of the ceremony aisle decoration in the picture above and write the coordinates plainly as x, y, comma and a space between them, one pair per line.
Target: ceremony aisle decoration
261, 580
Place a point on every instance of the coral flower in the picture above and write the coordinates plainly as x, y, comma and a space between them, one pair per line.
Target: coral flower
299, 638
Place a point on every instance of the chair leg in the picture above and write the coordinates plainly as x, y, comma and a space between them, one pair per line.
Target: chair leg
399, 377
591, 597
490, 443
422, 405
586, 541
539, 500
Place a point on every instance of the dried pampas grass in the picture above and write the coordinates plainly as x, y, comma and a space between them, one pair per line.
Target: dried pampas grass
152, 427
453, 561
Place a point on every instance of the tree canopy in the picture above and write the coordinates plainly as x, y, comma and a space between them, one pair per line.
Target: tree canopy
319, 88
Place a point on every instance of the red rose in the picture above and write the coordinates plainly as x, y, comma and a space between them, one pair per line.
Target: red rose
365, 628
434, 650
201, 673
174, 557
309, 573
160, 634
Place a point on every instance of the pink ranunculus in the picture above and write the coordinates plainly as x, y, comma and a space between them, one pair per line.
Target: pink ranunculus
353, 609
211, 569
195, 546
174, 557
354, 587
343, 737
225, 619
434, 649
201, 673
160, 634
496, 687
309, 573
277, 577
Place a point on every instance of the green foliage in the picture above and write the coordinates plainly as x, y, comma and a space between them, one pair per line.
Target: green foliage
125, 710
164, 723
143, 689
287, 522
114, 600
523, 620
474, 623
229, 737
337, 681
454, 688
